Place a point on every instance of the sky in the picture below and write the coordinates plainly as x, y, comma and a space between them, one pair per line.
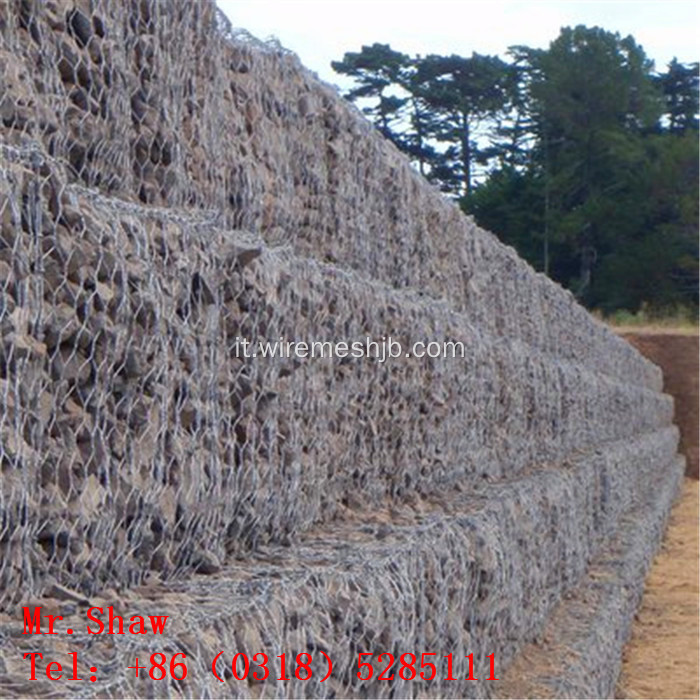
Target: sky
321, 31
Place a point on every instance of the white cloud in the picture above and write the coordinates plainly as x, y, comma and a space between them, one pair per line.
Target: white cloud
320, 31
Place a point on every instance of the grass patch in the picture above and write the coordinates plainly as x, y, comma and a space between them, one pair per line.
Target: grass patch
677, 319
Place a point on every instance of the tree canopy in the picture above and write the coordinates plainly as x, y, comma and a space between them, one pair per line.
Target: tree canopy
580, 155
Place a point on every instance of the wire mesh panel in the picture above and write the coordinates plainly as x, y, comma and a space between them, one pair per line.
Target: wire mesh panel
171, 189
150, 442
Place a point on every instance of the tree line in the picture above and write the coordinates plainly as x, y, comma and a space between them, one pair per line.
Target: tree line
581, 155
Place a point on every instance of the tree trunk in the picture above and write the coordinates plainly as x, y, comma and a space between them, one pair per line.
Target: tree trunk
466, 155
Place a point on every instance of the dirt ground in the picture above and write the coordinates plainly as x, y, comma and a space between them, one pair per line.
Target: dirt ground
661, 658
677, 355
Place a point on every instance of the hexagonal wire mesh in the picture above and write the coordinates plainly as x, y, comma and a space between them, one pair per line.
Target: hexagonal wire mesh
169, 186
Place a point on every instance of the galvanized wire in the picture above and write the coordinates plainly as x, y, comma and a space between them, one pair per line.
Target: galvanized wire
168, 186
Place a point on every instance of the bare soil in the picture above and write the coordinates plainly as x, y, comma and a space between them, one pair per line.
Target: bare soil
677, 355
661, 658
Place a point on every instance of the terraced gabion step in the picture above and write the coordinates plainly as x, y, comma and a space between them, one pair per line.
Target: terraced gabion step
133, 442
271, 149
579, 652
474, 574
137, 440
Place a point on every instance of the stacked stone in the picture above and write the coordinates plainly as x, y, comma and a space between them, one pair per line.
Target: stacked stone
190, 118
163, 199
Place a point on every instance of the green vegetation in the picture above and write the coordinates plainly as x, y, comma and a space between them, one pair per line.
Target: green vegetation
678, 319
580, 156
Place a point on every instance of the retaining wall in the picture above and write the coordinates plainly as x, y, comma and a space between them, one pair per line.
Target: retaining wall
168, 187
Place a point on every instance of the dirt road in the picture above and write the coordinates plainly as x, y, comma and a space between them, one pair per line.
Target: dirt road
661, 658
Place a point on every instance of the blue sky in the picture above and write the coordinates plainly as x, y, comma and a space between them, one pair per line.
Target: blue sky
320, 31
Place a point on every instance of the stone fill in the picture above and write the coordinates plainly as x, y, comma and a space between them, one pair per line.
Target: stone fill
169, 186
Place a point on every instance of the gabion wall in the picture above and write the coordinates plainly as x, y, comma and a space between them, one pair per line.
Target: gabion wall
167, 187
